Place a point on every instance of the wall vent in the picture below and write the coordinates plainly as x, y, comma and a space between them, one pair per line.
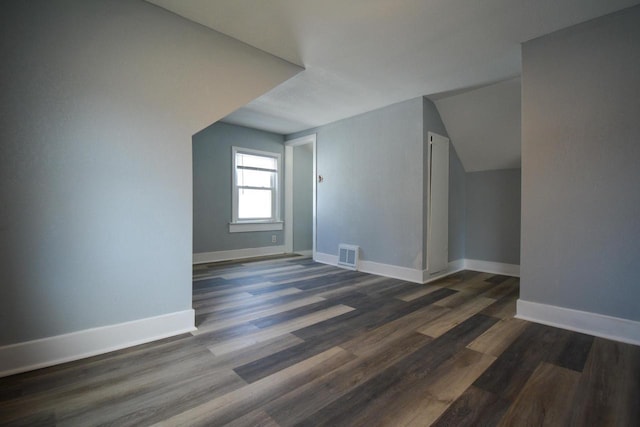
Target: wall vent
348, 256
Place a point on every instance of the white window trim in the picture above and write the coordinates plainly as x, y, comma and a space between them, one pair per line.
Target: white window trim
244, 226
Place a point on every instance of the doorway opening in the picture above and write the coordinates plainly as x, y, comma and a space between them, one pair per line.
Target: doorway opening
300, 187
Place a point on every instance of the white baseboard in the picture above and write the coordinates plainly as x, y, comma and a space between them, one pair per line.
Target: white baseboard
492, 267
393, 271
30, 355
326, 258
600, 325
386, 270
453, 267
205, 257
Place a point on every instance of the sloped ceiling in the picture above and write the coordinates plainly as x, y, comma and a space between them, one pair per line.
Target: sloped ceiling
360, 55
485, 125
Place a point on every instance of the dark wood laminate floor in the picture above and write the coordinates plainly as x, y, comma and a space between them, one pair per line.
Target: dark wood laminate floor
290, 342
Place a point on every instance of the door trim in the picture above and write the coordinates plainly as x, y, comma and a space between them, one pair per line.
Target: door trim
430, 244
288, 190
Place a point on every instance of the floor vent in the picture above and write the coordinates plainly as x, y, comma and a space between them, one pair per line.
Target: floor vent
348, 256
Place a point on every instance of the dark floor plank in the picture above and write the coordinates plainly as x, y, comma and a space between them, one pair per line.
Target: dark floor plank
153, 405
358, 286
543, 399
274, 319
510, 287
312, 269
575, 352
401, 376
454, 317
457, 299
246, 340
121, 386
477, 283
257, 418
391, 287
253, 305
366, 317
287, 341
241, 330
269, 365
429, 396
121, 363
419, 292
320, 283
37, 418
335, 331
316, 338
475, 407
239, 317
609, 389
514, 366
256, 351
375, 339
503, 308
499, 336
497, 279
238, 403
296, 406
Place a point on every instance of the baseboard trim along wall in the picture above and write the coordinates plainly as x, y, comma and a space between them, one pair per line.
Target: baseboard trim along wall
394, 271
323, 258
453, 267
205, 257
492, 267
600, 325
386, 270
40, 353
423, 276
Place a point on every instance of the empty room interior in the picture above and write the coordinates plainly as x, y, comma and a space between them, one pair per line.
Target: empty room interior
298, 212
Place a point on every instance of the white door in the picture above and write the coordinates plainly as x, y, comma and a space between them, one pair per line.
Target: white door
438, 204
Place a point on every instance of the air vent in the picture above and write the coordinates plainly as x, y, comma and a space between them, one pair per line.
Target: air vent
348, 256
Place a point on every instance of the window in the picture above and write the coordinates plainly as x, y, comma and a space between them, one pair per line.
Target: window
256, 199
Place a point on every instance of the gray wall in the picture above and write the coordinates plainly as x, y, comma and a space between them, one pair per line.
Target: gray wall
580, 171
99, 102
431, 119
372, 190
457, 206
303, 197
493, 216
212, 186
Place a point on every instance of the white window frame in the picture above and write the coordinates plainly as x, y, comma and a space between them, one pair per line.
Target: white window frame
270, 224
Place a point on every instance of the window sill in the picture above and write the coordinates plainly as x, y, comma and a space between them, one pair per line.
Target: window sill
246, 227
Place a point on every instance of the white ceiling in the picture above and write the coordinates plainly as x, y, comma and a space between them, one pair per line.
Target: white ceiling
361, 55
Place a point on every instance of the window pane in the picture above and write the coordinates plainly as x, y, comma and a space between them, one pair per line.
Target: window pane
254, 204
251, 178
256, 161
